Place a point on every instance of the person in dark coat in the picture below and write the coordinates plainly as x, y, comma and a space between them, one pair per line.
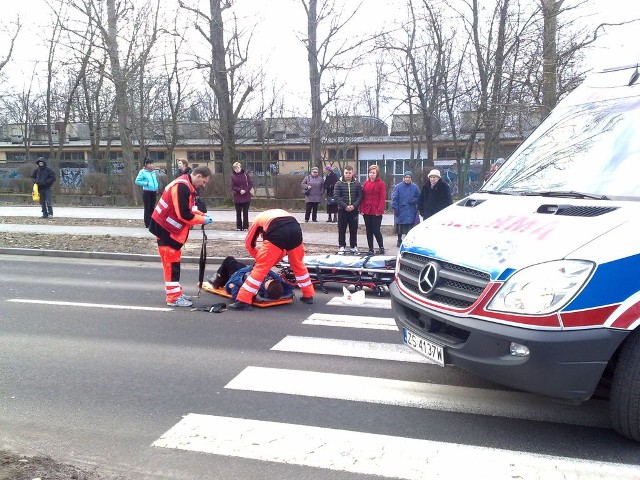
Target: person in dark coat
329, 184
348, 193
183, 167
435, 195
44, 177
241, 185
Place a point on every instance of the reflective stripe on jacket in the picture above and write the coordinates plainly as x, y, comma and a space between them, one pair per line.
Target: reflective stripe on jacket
167, 211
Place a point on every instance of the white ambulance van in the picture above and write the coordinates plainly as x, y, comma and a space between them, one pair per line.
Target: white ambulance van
534, 281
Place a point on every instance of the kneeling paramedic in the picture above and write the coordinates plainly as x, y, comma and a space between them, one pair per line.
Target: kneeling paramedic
231, 275
281, 235
170, 222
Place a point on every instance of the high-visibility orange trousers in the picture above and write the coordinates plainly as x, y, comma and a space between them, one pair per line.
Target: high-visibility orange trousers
171, 270
268, 255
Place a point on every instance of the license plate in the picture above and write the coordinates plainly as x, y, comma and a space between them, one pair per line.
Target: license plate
433, 352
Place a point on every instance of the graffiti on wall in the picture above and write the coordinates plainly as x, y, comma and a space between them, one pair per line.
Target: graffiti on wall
72, 177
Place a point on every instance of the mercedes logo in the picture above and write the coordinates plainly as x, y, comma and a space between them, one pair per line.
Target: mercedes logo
428, 278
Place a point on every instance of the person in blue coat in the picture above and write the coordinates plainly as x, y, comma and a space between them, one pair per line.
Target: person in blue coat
148, 179
231, 274
404, 202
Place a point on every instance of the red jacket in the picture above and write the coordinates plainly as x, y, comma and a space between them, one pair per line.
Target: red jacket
175, 214
374, 197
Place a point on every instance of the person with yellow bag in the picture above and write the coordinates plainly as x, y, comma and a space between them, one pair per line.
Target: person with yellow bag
43, 177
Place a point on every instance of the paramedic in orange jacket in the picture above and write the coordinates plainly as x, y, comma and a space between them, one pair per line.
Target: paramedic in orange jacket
281, 235
170, 222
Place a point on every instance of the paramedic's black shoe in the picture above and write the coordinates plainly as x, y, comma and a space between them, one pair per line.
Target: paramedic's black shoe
371, 252
307, 300
381, 251
241, 306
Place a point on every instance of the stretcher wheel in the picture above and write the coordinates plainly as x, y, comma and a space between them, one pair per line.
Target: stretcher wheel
379, 290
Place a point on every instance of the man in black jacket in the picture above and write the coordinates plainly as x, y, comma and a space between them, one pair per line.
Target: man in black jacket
348, 193
44, 177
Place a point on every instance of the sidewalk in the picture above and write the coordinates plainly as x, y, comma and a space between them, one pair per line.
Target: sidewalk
318, 238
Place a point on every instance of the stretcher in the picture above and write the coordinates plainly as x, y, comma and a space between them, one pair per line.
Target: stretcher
257, 302
374, 272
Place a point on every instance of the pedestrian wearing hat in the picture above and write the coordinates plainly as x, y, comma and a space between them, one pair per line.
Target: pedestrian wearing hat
148, 179
44, 177
435, 195
332, 204
404, 202
313, 188
374, 199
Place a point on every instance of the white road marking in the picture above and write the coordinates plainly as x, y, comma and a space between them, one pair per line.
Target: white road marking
90, 305
374, 454
351, 321
448, 398
349, 348
379, 303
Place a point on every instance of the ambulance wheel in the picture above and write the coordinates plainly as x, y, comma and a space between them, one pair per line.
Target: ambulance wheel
624, 404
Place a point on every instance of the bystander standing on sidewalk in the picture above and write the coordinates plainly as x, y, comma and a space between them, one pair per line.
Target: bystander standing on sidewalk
374, 199
348, 193
44, 177
313, 188
404, 202
148, 179
242, 187
435, 195
329, 184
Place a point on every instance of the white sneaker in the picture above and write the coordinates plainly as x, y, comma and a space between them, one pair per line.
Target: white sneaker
354, 251
181, 301
341, 251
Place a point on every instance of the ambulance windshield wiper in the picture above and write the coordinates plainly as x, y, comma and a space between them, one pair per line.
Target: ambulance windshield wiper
569, 194
498, 192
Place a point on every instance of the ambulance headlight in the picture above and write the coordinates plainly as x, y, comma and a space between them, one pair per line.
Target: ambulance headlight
542, 288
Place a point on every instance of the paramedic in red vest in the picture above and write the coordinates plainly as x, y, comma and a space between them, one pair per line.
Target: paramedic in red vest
281, 235
174, 214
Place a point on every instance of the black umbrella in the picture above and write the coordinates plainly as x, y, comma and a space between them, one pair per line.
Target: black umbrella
203, 260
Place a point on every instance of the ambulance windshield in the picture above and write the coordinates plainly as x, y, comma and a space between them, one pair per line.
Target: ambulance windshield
590, 148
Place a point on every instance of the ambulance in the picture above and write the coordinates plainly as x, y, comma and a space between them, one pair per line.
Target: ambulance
533, 281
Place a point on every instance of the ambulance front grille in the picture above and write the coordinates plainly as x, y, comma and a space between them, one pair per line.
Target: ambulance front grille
455, 286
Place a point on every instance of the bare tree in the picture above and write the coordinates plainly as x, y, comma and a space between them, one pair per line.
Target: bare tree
230, 88
13, 32
325, 55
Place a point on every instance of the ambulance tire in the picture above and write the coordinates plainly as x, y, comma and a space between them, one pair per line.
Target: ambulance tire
625, 390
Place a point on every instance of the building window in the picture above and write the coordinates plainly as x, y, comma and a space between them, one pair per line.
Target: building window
17, 157
72, 156
449, 153
342, 154
299, 155
203, 156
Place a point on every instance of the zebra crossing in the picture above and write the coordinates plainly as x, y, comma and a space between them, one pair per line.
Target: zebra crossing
371, 453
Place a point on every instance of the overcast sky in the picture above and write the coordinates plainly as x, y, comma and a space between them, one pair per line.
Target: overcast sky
279, 23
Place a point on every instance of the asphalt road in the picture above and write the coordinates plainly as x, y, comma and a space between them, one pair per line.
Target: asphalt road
96, 371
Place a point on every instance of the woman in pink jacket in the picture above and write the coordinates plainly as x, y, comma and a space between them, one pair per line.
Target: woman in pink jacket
374, 197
